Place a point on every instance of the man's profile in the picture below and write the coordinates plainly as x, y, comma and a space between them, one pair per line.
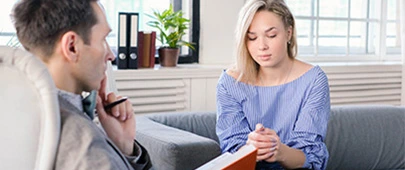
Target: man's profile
69, 36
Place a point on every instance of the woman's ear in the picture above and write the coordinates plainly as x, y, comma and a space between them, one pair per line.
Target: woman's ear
289, 33
70, 46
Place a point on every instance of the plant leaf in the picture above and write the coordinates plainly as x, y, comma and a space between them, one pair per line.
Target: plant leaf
172, 27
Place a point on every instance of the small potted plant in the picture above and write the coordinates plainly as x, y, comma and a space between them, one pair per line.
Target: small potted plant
171, 26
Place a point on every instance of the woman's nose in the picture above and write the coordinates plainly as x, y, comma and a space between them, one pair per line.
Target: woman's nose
263, 44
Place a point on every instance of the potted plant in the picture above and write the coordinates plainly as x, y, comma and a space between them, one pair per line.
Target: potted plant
171, 26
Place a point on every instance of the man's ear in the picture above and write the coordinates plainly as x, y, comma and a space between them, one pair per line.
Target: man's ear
70, 46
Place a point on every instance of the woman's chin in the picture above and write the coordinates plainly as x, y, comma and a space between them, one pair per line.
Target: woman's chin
266, 64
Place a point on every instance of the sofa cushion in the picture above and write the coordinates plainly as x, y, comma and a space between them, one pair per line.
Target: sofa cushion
171, 147
200, 123
366, 137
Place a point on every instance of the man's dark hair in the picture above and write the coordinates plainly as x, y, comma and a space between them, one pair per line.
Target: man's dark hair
41, 23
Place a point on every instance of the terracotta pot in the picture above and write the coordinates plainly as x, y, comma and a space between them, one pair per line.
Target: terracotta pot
168, 57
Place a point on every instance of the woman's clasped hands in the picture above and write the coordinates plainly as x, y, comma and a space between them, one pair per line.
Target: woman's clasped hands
267, 143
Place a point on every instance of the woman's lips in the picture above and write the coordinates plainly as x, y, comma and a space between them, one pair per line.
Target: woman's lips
265, 57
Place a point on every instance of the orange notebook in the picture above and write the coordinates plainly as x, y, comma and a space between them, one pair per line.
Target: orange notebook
243, 159
146, 50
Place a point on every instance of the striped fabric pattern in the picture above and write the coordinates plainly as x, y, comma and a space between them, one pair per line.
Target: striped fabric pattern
298, 111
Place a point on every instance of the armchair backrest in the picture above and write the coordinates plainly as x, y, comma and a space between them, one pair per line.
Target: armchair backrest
30, 119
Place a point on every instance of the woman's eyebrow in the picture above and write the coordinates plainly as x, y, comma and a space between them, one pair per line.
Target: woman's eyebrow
267, 30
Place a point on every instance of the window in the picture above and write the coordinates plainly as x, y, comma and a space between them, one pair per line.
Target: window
347, 30
189, 7
7, 31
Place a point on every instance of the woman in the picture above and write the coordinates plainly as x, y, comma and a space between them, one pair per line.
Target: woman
270, 99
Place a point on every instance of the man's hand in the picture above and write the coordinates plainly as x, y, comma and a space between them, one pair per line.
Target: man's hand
118, 122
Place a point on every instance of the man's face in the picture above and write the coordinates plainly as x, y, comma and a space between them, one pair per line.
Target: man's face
94, 56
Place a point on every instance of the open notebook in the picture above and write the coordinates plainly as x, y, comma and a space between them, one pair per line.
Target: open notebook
243, 159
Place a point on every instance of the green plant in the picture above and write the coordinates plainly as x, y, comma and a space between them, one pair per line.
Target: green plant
172, 26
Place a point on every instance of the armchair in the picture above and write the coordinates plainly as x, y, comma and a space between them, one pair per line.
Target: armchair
30, 121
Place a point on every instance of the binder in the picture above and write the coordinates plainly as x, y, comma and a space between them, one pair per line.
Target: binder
152, 49
140, 48
133, 40
122, 57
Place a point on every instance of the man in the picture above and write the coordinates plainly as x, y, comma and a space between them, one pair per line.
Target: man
69, 36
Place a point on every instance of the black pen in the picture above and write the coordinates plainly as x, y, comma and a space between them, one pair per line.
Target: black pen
111, 105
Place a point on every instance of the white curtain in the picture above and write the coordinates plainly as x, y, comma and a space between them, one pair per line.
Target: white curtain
111, 85
402, 34
402, 28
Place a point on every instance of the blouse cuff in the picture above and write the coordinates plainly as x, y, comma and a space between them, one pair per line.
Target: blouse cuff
306, 164
234, 147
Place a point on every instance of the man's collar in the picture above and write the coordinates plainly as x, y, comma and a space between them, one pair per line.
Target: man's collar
74, 99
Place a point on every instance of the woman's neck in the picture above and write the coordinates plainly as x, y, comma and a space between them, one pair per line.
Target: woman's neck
280, 74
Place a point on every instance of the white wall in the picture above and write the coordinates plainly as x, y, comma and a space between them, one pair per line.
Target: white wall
218, 22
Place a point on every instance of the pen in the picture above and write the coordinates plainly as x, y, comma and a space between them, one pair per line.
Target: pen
111, 105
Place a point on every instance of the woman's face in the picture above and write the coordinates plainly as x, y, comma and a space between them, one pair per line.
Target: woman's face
267, 39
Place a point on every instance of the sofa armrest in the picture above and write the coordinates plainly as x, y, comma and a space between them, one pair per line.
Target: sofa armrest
171, 148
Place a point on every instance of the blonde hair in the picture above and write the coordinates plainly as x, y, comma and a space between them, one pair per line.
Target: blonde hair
245, 65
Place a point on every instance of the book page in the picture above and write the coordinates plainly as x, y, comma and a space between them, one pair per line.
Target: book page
215, 161
244, 157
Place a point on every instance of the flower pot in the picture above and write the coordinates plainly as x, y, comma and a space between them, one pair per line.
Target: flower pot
168, 57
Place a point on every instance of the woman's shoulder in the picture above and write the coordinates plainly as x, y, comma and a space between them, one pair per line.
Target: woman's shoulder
233, 75
232, 72
305, 74
229, 79
313, 74
303, 68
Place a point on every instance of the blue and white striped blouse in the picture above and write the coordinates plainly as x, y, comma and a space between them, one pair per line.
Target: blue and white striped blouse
298, 111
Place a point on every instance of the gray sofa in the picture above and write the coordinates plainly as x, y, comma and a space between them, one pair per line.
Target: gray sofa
358, 137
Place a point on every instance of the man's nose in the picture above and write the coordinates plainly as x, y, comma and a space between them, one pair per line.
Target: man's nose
110, 54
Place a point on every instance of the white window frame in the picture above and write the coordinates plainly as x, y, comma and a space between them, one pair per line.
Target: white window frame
381, 48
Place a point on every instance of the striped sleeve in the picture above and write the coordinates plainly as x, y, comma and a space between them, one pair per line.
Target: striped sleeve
310, 128
232, 126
